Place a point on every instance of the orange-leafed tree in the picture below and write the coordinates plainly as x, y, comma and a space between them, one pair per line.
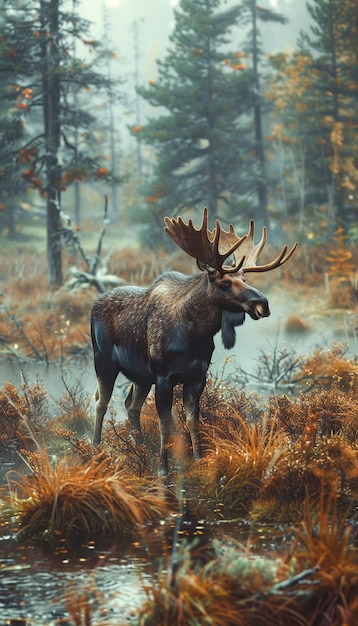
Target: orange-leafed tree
48, 90
316, 94
295, 140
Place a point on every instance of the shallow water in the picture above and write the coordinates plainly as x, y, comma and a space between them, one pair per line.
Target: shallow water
63, 586
49, 583
44, 591
54, 587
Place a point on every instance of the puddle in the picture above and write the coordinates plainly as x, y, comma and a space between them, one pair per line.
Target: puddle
40, 587
52, 589
42, 591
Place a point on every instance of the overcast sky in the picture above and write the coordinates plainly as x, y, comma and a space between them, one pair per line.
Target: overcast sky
154, 19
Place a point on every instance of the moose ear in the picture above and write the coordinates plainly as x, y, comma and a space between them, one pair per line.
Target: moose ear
204, 267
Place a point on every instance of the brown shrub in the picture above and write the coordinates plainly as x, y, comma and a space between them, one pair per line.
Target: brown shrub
13, 408
30, 292
141, 268
328, 367
321, 412
296, 324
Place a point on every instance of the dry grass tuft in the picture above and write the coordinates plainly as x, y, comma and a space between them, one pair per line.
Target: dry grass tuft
235, 466
90, 501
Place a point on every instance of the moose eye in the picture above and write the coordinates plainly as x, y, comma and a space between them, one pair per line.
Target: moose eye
225, 285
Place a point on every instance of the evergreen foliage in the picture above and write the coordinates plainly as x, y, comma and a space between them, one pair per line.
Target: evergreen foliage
333, 42
251, 15
199, 149
41, 81
210, 146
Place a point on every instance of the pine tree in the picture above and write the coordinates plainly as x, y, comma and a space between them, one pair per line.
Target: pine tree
38, 74
199, 151
333, 40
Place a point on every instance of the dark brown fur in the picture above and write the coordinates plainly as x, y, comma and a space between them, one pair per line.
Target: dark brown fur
163, 335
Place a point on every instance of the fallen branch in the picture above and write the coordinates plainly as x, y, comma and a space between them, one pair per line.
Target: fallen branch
294, 580
80, 279
92, 276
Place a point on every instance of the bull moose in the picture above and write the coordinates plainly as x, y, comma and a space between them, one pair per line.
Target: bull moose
163, 334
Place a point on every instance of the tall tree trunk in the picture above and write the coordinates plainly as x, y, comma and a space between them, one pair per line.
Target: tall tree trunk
51, 113
259, 140
212, 170
137, 99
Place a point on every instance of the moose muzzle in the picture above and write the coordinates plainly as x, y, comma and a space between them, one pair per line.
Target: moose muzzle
255, 303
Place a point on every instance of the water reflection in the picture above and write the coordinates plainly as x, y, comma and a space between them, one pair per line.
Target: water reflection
57, 585
46, 590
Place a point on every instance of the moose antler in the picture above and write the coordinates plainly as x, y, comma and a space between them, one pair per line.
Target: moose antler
213, 247
250, 253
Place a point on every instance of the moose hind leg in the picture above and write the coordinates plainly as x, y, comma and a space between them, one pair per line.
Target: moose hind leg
191, 397
102, 396
164, 401
134, 401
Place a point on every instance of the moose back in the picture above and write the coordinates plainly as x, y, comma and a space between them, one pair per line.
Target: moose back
163, 335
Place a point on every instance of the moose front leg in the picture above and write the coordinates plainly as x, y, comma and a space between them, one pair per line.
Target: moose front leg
191, 396
164, 402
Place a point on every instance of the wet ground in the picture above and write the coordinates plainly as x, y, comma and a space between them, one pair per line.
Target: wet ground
62, 584
103, 587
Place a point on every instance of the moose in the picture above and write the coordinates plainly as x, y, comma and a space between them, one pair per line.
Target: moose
163, 334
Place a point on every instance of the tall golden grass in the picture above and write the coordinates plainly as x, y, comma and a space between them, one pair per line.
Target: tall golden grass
81, 502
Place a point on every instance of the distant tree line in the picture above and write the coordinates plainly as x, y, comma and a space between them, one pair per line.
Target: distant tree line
251, 135
244, 133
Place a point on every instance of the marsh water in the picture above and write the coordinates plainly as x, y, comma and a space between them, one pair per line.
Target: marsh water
39, 589
104, 586
49, 588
